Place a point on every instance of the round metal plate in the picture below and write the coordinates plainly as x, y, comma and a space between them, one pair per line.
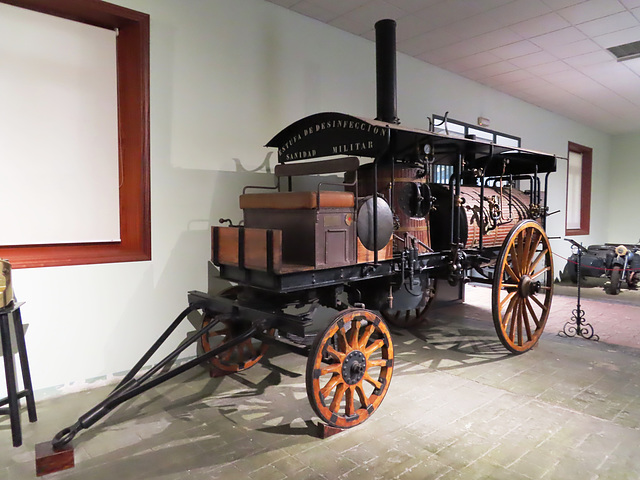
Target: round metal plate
365, 224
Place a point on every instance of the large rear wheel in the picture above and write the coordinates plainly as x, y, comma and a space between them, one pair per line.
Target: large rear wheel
403, 317
522, 287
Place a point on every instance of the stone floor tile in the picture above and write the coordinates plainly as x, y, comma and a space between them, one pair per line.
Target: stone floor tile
309, 473
289, 465
465, 451
267, 472
484, 469
427, 468
534, 464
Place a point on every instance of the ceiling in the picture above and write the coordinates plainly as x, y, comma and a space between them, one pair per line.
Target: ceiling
550, 53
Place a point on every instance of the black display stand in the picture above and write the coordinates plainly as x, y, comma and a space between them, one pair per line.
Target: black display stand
577, 325
14, 396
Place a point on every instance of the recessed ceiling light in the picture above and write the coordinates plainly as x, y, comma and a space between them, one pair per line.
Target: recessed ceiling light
626, 51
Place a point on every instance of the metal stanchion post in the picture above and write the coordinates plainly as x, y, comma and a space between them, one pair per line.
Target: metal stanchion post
577, 325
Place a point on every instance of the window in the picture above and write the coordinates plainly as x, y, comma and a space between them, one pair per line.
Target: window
442, 173
578, 189
132, 63
456, 127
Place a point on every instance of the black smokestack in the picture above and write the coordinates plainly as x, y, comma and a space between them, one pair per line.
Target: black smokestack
387, 103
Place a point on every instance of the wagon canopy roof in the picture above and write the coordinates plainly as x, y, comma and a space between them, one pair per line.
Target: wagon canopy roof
331, 133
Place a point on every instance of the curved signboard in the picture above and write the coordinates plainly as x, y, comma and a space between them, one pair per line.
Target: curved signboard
326, 134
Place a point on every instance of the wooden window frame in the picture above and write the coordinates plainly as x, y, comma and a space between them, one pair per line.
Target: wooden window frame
585, 189
132, 57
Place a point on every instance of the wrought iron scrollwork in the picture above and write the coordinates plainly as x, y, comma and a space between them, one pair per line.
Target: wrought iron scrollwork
578, 326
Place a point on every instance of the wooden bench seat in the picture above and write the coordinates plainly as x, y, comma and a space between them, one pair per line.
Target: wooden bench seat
297, 200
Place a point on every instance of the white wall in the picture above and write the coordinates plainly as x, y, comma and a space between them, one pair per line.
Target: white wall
623, 187
226, 75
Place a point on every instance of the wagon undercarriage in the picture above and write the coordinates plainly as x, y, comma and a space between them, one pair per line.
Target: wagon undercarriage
349, 360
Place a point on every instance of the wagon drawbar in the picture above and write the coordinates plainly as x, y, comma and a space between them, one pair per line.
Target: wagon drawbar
371, 240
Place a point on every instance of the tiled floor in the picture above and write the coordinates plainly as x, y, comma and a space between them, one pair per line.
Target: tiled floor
459, 406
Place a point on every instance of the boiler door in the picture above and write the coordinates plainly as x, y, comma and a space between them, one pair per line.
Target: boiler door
414, 198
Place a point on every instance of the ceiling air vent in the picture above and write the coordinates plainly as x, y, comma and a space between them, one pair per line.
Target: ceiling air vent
626, 51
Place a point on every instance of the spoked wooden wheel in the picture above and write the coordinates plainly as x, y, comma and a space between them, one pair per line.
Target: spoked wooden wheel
240, 357
237, 358
407, 318
349, 368
522, 287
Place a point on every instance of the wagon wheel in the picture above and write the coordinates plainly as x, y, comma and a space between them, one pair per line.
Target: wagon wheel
349, 368
237, 358
415, 316
522, 287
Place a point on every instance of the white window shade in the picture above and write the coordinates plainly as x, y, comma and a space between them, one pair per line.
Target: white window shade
58, 130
